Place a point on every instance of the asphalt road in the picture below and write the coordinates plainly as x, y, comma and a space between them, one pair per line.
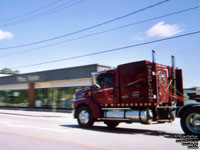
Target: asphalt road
55, 132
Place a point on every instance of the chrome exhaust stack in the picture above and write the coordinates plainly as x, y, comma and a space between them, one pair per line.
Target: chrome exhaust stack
153, 56
173, 75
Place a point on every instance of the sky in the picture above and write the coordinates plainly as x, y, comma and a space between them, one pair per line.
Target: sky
23, 22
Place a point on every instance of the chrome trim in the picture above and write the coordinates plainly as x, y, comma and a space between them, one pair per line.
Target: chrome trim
134, 82
116, 108
193, 122
167, 107
102, 90
139, 115
133, 115
116, 119
114, 114
145, 116
84, 117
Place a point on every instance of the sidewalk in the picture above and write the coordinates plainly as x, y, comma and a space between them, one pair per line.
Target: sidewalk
36, 112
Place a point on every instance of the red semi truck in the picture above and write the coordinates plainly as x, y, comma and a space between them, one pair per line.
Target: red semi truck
141, 92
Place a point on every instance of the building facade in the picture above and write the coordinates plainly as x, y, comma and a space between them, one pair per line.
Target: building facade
192, 93
46, 89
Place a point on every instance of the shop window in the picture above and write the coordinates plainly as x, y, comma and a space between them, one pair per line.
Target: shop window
14, 98
58, 97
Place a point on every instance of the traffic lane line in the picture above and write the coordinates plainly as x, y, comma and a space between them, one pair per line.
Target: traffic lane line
27, 120
57, 139
35, 127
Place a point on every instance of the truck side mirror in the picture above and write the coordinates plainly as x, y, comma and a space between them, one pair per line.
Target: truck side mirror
96, 85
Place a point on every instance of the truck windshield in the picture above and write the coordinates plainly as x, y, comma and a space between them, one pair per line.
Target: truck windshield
105, 79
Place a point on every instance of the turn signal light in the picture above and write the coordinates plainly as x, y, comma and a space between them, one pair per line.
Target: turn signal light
89, 93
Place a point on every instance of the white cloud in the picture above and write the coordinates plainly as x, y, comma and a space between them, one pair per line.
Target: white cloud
139, 36
5, 35
162, 29
38, 69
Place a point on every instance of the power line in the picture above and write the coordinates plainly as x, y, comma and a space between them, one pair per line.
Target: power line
30, 12
101, 32
88, 28
111, 50
45, 13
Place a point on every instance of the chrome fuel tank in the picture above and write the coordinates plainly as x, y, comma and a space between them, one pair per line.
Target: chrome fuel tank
141, 115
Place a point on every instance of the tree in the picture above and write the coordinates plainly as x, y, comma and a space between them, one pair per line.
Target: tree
9, 71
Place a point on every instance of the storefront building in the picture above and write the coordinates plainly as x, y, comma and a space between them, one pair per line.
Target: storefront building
192, 93
46, 89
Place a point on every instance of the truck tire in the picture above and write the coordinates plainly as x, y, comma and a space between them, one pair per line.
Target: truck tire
190, 121
84, 117
111, 124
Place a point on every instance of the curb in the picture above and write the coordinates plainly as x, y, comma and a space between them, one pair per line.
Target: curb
31, 115
35, 113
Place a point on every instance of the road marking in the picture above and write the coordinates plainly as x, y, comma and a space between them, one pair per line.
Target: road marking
6, 122
35, 127
58, 139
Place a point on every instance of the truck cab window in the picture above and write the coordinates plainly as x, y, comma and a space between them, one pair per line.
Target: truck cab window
105, 79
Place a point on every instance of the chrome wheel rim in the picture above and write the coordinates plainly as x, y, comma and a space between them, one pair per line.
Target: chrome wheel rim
193, 122
84, 117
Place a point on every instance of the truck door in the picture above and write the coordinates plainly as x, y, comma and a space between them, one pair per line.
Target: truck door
104, 94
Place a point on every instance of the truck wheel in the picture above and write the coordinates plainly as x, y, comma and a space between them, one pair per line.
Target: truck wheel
84, 117
190, 121
111, 124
